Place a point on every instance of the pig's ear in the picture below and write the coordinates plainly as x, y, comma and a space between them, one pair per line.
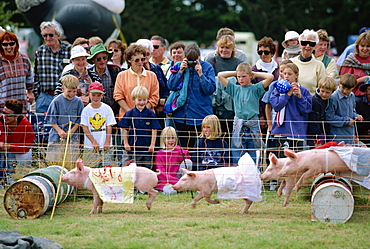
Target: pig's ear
185, 171
192, 175
273, 158
80, 164
289, 153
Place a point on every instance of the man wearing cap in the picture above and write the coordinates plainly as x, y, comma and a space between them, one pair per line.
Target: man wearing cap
50, 59
85, 77
363, 108
97, 119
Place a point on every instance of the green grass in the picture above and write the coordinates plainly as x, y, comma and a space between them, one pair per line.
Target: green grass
172, 223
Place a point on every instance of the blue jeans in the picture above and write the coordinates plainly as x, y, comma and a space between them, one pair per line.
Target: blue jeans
247, 145
7, 161
42, 104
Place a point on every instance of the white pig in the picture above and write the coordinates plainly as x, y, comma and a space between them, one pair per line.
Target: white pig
243, 183
146, 179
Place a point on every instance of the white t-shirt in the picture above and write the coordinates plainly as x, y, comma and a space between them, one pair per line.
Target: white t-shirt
97, 120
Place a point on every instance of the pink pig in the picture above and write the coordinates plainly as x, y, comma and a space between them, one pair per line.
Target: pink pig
79, 178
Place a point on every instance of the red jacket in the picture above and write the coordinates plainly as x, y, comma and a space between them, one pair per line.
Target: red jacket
23, 137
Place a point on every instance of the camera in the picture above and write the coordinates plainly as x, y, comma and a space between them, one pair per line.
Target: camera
192, 63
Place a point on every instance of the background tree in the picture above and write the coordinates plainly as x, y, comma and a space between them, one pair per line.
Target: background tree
7, 14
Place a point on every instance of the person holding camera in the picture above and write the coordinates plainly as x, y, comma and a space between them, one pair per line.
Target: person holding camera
193, 83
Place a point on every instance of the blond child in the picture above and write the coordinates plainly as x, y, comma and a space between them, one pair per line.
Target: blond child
211, 150
140, 127
168, 160
246, 96
97, 119
317, 128
341, 113
64, 109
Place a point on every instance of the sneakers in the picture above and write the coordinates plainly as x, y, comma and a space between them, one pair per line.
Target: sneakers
168, 190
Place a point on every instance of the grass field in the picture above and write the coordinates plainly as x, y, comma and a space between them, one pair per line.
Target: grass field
172, 223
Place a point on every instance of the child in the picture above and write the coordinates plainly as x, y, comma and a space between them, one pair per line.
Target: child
64, 109
211, 150
341, 112
317, 129
97, 119
246, 130
291, 45
292, 107
168, 160
140, 128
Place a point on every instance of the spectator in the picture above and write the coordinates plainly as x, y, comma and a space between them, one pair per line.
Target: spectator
197, 84
118, 48
363, 109
341, 113
16, 143
16, 75
292, 106
64, 109
83, 42
50, 59
158, 57
168, 159
177, 54
246, 131
358, 63
211, 151
97, 119
227, 31
134, 76
290, 45
311, 71
140, 127
321, 50
95, 40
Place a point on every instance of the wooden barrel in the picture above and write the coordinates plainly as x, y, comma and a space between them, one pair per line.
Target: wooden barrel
332, 201
29, 197
52, 173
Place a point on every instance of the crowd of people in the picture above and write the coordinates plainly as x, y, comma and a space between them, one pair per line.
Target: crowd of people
108, 102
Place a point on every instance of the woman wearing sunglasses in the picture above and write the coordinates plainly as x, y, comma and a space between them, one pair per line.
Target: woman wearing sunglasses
136, 75
118, 48
311, 71
16, 75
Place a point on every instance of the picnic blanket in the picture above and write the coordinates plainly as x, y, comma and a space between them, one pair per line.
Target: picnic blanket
358, 160
241, 182
114, 184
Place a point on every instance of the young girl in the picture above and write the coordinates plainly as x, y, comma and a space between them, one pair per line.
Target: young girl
169, 158
211, 150
292, 107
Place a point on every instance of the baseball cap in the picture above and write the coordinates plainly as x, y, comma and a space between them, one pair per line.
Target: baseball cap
96, 87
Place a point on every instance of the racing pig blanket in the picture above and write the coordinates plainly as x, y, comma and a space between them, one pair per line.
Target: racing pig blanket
114, 184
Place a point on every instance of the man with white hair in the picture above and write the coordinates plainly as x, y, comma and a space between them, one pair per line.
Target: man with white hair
311, 71
50, 59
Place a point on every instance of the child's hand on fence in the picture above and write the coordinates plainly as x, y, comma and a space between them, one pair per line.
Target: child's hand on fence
151, 149
127, 147
106, 146
95, 146
62, 134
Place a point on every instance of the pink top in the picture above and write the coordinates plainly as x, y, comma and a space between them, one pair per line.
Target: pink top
168, 162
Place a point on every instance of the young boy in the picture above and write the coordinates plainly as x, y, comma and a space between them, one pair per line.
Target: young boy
97, 119
64, 109
140, 128
341, 112
317, 129
246, 130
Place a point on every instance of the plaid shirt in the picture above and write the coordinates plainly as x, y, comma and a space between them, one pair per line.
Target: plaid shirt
49, 66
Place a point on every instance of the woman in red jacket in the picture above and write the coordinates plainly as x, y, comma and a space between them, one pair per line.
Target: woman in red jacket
16, 139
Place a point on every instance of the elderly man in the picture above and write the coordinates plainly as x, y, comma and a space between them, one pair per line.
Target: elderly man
50, 59
159, 48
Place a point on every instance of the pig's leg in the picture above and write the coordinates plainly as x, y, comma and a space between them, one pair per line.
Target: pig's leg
196, 199
248, 203
280, 189
152, 194
290, 183
208, 198
304, 178
98, 204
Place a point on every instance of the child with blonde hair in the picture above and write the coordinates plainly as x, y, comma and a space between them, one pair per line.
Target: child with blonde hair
168, 160
211, 150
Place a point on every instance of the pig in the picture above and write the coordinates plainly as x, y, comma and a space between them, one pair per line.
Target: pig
146, 180
206, 183
313, 162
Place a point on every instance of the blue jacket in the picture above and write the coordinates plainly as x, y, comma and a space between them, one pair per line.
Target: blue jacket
296, 113
199, 99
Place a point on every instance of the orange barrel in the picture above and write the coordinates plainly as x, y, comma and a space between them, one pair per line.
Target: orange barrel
332, 199
29, 197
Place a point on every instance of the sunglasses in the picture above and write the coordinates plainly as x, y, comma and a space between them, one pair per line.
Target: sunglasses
46, 35
115, 50
102, 58
266, 52
310, 43
156, 46
139, 59
5, 44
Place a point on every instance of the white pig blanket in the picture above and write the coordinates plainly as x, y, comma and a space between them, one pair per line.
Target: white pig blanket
114, 184
242, 182
357, 159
